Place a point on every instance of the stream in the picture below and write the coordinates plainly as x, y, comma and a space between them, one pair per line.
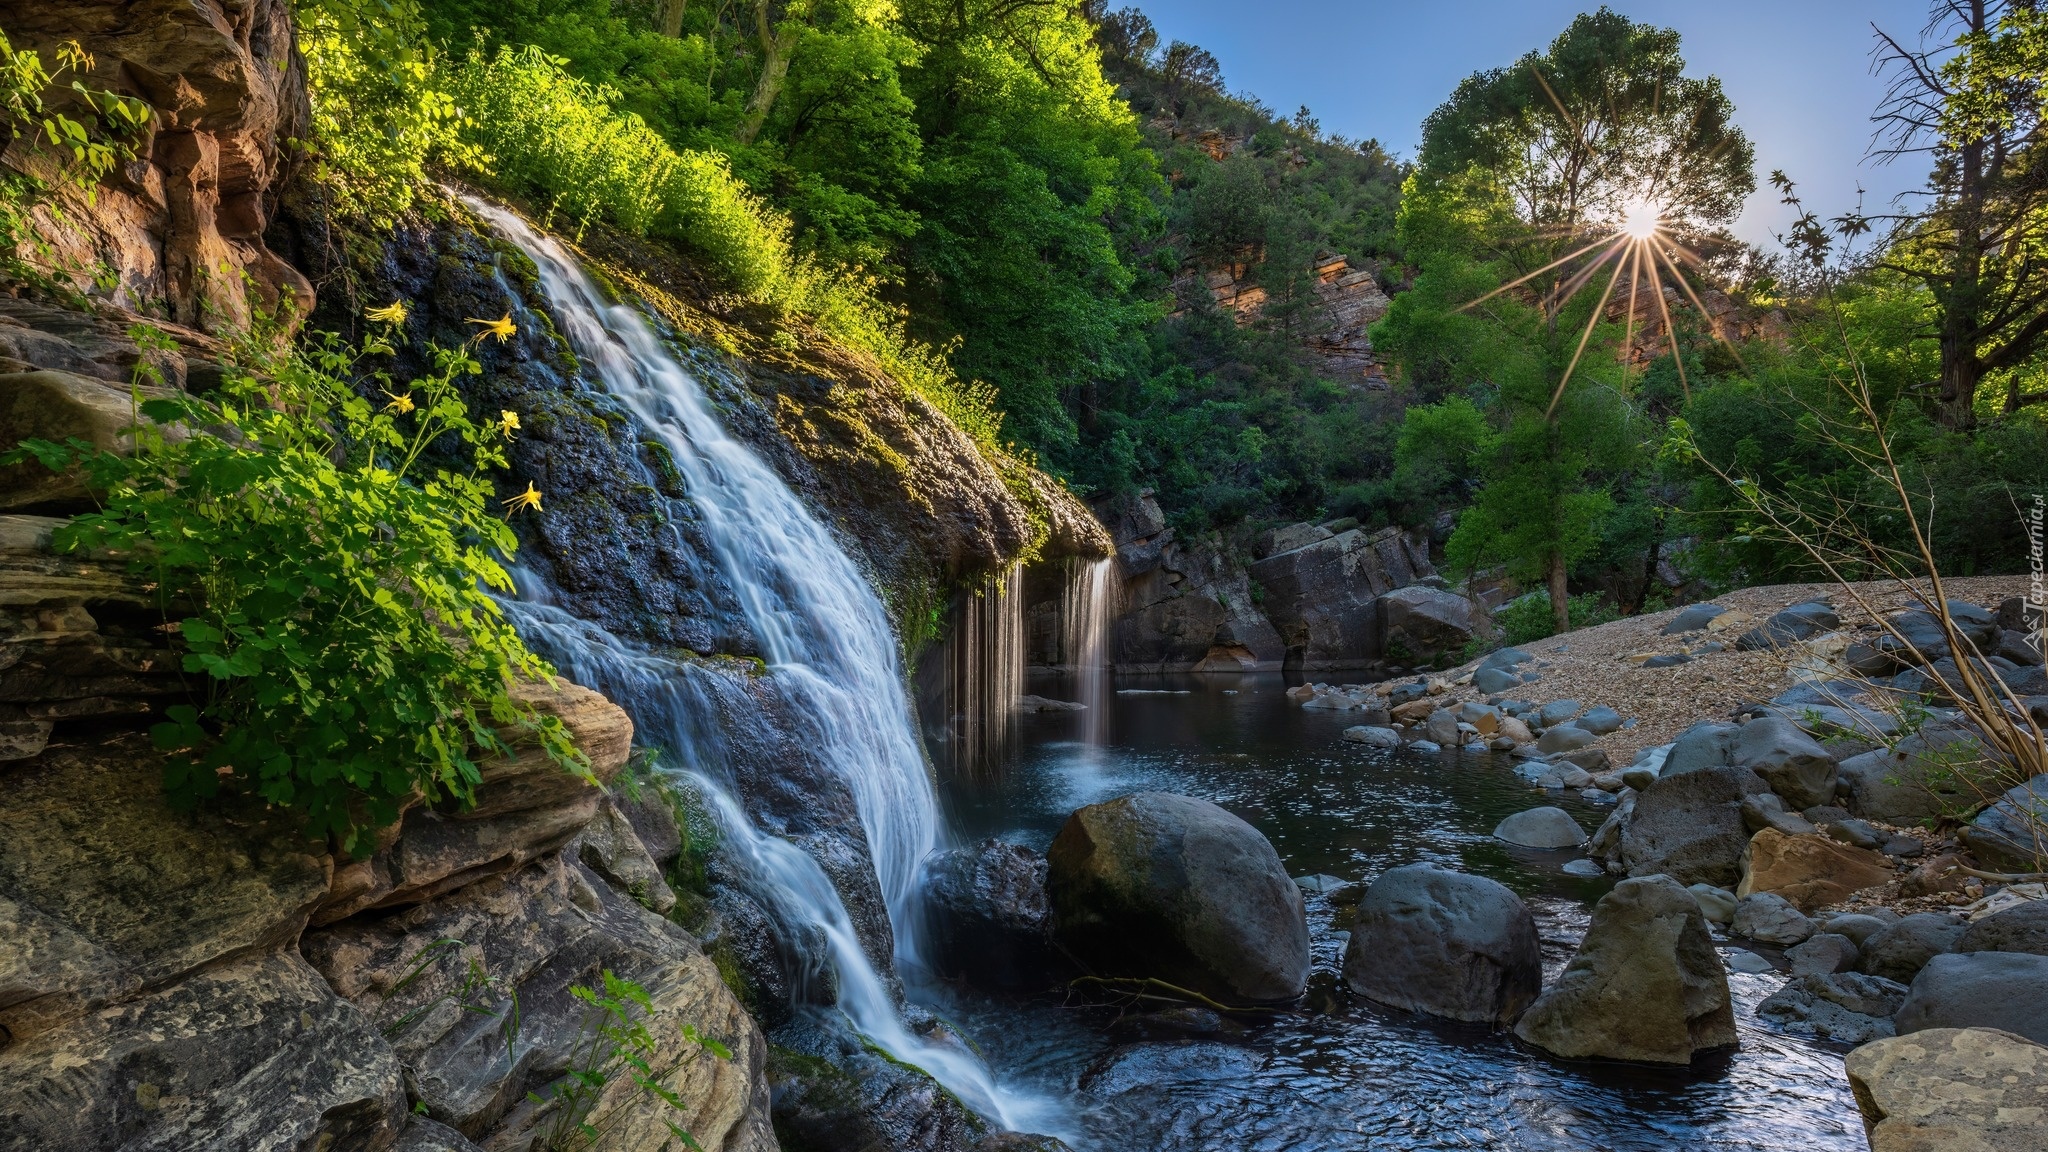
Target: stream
1342, 1073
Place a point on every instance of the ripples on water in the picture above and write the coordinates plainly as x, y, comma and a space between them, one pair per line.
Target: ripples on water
1357, 1076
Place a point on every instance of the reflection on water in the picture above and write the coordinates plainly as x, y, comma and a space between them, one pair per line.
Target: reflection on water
1354, 1076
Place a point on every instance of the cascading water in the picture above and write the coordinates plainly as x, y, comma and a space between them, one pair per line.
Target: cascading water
832, 656
981, 661
1087, 615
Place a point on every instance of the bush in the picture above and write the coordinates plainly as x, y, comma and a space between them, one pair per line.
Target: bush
351, 655
1528, 617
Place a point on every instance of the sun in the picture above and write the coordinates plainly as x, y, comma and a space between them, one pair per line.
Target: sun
1642, 219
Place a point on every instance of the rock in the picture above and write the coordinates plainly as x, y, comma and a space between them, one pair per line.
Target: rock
2012, 835
1373, 736
1693, 618
1563, 738
1541, 828
1045, 704
651, 810
1600, 721
1846, 1007
835, 1092
1156, 885
1323, 597
610, 846
1952, 1090
1442, 727
989, 919
1765, 810
1743, 960
535, 933
1425, 746
1901, 950
1493, 681
1557, 712
1638, 777
2023, 928
1704, 745
1823, 953
105, 892
1591, 760
1771, 919
1645, 985
2016, 614
1855, 833
1979, 990
1716, 904
1810, 871
1605, 844
1284, 539
256, 1053
1789, 626
424, 1135
1857, 926
61, 406
1424, 623
1586, 869
2022, 648
1514, 729
1430, 940
1934, 875
1789, 760
1689, 827
1915, 781
1505, 658
1573, 777
1667, 660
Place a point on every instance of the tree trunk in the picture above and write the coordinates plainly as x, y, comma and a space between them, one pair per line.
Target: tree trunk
672, 18
776, 45
1560, 596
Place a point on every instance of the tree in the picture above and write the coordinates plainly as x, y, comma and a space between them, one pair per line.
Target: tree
1188, 70
1980, 243
1126, 35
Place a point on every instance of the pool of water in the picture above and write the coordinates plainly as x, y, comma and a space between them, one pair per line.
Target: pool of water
1340, 1073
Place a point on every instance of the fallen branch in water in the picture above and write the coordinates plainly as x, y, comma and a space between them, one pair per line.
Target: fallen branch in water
1151, 988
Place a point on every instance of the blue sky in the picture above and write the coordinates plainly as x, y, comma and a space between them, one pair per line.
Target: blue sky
1797, 70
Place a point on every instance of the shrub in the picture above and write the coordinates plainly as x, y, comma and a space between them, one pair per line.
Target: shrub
1528, 617
339, 615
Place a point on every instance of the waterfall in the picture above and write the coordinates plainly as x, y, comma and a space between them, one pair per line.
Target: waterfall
981, 667
1087, 615
830, 653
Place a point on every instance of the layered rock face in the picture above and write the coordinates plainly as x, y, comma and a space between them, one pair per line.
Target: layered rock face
1186, 605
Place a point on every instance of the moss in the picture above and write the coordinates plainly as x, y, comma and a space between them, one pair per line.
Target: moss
662, 463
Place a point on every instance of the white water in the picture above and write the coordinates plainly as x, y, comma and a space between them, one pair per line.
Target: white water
830, 651
983, 659
1087, 615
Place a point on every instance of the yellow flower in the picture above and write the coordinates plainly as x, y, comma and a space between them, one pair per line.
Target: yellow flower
393, 313
502, 328
402, 404
527, 499
508, 423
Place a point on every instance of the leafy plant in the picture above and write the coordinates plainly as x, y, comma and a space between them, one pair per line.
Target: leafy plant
613, 1044
478, 993
1529, 617
333, 577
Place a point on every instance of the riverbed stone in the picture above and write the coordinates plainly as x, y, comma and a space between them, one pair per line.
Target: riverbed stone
1169, 887
1811, 871
1766, 810
1772, 919
1372, 736
1790, 625
1846, 1007
1557, 712
1689, 827
1645, 985
1494, 680
1442, 727
1563, 738
1914, 781
1545, 827
2012, 835
1979, 990
1704, 745
1857, 926
1600, 721
1427, 939
2023, 928
1716, 904
988, 915
1901, 950
1693, 618
1953, 1090
1791, 762
1823, 953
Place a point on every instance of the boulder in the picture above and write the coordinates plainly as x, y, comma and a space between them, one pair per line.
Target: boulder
1557, 712
1979, 990
256, 1053
1645, 985
1693, 618
1600, 721
1914, 781
989, 918
1822, 954
1899, 951
2019, 929
1689, 827
1846, 1007
1442, 727
1323, 595
1791, 762
609, 845
1789, 626
1771, 919
1704, 745
1423, 623
1952, 1090
1157, 885
1563, 738
1810, 871
61, 406
424, 1135
1373, 736
1716, 904
1493, 681
2012, 835
1857, 926
1541, 828
1445, 943
2016, 614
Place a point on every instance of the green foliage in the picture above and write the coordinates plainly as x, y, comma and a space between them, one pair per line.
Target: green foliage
1529, 617
614, 1044
350, 654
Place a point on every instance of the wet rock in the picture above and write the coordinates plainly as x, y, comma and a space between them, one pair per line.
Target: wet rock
610, 846
2012, 835
1430, 940
1541, 828
1442, 727
1646, 984
2020, 929
1157, 885
1789, 760
1693, 618
1789, 626
1823, 953
1563, 738
1846, 1007
990, 920
1771, 919
1689, 827
1586, 869
1901, 950
1857, 926
1810, 871
1915, 781
1966, 1089
256, 1053
833, 1093
1716, 904
1979, 990
1373, 736
1605, 843
1600, 721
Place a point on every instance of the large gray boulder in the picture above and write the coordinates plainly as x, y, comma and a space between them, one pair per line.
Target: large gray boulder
1445, 943
1541, 828
1164, 886
1899, 951
1704, 745
1322, 593
1846, 1007
1979, 990
1424, 623
1646, 984
1915, 781
1689, 826
1952, 1090
2020, 929
1791, 762
989, 917
2012, 835
1772, 919
1788, 626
